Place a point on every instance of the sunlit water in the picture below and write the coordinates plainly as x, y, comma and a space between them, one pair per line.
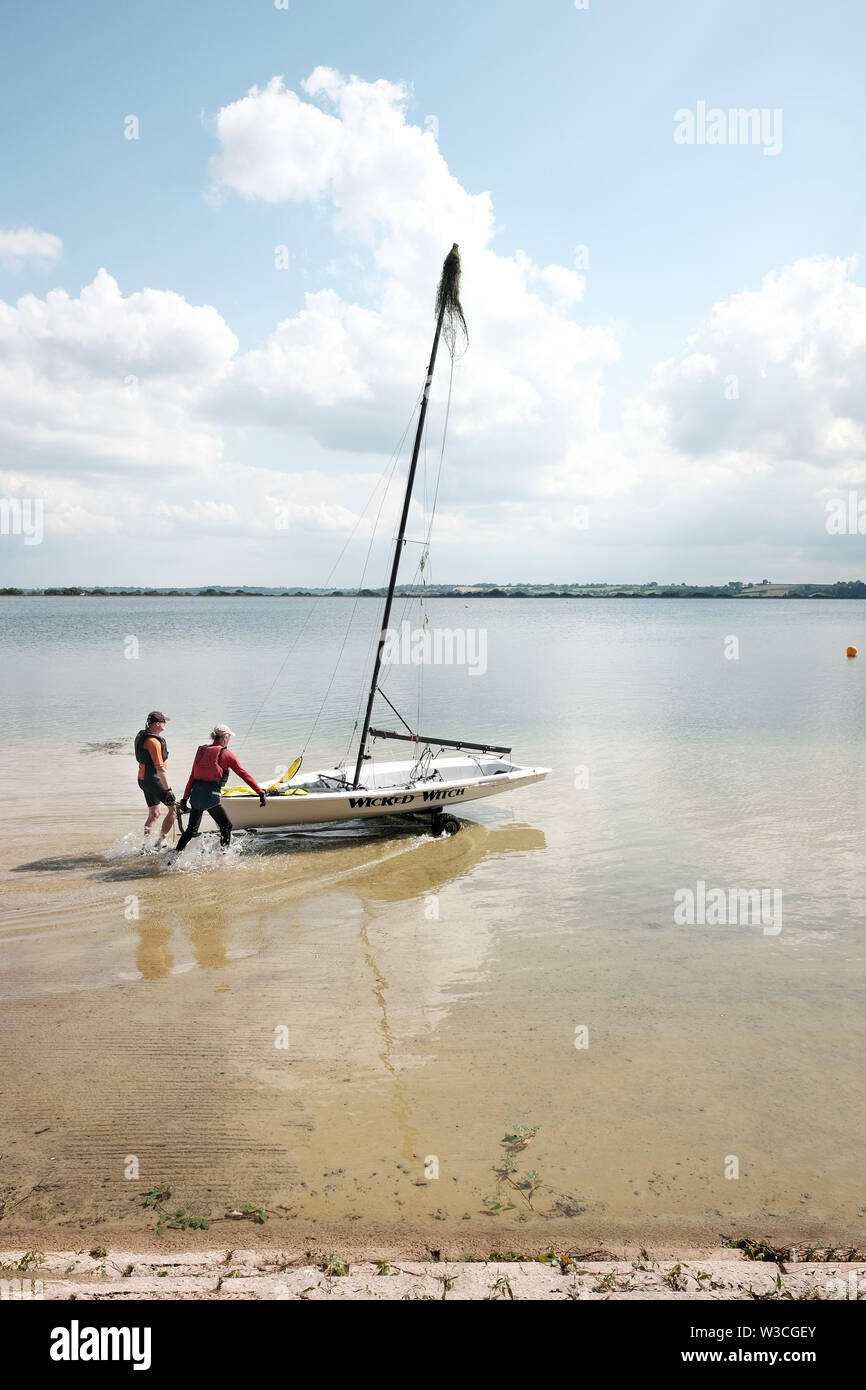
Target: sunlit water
343, 1023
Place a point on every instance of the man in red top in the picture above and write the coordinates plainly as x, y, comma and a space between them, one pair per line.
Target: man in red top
211, 767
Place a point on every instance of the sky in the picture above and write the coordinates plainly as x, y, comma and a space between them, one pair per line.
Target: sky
221, 227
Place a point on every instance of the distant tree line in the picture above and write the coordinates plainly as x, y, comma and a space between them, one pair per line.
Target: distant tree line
843, 588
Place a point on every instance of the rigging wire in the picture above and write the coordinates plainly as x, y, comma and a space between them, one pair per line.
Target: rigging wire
409, 599
375, 634
367, 665
387, 477
390, 479
357, 598
425, 554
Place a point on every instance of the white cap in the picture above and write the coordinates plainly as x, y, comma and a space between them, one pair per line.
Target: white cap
223, 729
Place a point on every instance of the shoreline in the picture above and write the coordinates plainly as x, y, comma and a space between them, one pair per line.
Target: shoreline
770, 1241
851, 590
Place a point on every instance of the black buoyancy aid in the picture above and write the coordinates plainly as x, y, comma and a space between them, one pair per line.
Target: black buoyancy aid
142, 754
207, 766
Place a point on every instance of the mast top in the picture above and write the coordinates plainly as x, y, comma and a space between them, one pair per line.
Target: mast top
448, 305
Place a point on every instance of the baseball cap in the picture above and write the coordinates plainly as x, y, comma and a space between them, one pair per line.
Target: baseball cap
223, 729
156, 716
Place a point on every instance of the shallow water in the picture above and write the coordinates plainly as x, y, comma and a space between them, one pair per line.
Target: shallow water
429, 991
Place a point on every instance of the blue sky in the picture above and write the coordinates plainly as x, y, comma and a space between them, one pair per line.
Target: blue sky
563, 116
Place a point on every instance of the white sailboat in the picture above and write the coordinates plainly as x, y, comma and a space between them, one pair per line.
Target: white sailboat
430, 786
433, 784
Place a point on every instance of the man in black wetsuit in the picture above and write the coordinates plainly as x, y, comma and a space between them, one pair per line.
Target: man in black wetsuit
151, 752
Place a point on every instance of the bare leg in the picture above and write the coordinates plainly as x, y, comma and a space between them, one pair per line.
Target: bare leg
168, 823
152, 818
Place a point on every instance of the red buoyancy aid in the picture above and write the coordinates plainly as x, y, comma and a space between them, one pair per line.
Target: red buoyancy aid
207, 766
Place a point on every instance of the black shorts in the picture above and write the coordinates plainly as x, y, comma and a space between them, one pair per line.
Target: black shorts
154, 792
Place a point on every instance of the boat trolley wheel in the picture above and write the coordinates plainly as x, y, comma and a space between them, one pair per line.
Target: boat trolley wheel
443, 823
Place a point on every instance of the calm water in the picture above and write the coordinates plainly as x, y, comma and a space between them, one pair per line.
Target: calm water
431, 989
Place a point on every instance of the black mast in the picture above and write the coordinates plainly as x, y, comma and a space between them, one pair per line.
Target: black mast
447, 303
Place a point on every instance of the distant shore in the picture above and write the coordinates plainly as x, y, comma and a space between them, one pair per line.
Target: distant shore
841, 589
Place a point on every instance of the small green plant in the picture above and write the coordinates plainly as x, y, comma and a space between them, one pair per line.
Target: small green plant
759, 1250
776, 1293
520, 1136
565, 1262
501, 1289
157, 1195
333, 1267
494, 1205
28, 1260
607, 1283
98, 1252
530, 1183
525, 1185
257, 1214
569, 1206
677, 1279
500, 1256
179, 1220
182, 1220
383, 1267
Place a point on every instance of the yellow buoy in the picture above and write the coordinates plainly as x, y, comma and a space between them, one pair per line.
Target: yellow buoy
852, 651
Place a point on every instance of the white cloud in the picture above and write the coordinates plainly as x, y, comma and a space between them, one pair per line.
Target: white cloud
104, 383
532, 382
567, 285
781, 369
19, 245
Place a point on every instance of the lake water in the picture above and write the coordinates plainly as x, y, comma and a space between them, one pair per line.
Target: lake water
342, 1025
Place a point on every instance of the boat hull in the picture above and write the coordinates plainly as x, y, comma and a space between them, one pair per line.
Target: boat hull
387, 791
